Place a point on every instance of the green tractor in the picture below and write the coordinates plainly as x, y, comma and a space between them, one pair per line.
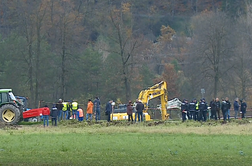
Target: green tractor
11, 110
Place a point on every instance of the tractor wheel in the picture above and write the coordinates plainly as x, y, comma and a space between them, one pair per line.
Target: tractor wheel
10, 114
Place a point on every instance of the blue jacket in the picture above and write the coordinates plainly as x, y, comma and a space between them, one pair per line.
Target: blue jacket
236, 105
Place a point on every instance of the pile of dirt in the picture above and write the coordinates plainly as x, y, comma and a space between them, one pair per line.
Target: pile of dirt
2, 125
7, 126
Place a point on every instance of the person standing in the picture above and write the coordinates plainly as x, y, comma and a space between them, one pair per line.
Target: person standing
192, 109
64, 110
228, 108
213, 109
236, 107
90, 106
197, 110
224, 108
75, 107
243, 108
130, 111
69, 109
139, 109
184, 109
46, 114
54, 115
203, 110
109, 109
136, 114
97, 104
59, 107
218, 105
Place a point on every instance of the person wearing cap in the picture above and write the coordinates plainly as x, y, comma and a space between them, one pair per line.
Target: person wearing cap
203, 110
184, 109
59, 107
139, 109
130, 111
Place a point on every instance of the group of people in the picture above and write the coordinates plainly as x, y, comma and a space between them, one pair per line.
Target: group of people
71, 110
130, 107
197, 110
138, 112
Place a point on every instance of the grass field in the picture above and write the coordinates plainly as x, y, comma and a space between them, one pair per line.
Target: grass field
155, 143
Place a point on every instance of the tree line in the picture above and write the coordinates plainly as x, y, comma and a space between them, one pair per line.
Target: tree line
79, 49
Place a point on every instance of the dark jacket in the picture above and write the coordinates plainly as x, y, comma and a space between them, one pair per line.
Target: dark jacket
243, 106
97, 104
139, 107
59, 106
192, 106
228, 104
218, 105
236, 105
224, 106
108, 108
203, 106
184, 107
213, 105
54, 112
129, 109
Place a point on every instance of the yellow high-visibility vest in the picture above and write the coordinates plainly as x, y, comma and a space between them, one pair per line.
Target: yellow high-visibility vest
197, 105
64, 106
74, 105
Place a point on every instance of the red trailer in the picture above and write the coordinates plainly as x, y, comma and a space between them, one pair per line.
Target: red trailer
33, 115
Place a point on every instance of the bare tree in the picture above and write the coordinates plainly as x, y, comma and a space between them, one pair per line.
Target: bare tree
212, 48
125, 40
242, 67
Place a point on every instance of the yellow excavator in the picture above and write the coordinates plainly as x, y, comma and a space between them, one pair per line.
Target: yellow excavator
157, 90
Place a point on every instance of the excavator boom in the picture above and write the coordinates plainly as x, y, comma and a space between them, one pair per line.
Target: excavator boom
157, 90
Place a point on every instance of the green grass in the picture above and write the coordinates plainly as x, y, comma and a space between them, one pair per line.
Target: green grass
74, 143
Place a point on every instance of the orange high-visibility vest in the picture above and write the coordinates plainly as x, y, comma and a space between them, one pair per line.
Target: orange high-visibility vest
80, 112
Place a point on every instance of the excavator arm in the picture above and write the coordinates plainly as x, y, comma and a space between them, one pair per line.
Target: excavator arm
157, 90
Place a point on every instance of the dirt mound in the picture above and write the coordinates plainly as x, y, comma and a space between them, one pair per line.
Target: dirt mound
7, 126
